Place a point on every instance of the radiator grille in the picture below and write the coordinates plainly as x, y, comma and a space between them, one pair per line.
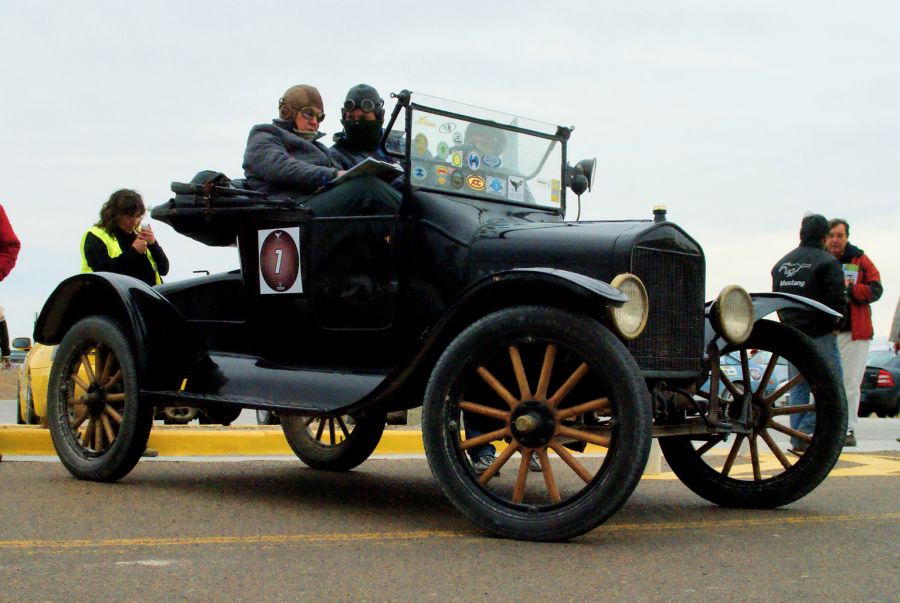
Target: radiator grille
673, 338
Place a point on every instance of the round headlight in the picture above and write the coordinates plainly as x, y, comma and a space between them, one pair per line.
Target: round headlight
733, 314
629, 319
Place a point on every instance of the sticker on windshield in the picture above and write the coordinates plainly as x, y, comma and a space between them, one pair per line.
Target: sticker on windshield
456, 179
473, 161
447, 127
443, 149
491, 161
424, 121
419, 172
279, 261
496, 186
457, 137
420, 143
456, 159
476, 183
516, 188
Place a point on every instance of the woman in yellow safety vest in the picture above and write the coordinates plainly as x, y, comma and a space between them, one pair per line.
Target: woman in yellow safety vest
118, 243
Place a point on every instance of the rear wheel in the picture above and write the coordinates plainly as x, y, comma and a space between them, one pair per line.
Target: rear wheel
334, 443
98, 427
538, 380
746, 475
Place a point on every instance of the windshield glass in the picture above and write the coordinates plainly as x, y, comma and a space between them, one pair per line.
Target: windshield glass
452, 153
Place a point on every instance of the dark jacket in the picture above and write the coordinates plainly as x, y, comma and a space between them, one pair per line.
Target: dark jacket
130, 263
812, 272
863, 288
279, 161
344, 154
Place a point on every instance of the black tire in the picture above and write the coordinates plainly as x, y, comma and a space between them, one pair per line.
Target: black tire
334, 443
266, 417
20, 419
96, 354
543, 348
31, 417
785, 480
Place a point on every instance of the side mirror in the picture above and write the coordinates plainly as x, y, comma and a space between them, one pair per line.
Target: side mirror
21, 343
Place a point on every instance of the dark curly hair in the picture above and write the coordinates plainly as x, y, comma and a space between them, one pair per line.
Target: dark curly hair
123, 202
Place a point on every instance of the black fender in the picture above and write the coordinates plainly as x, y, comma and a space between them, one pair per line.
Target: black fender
159, 335
768, 302
515, 287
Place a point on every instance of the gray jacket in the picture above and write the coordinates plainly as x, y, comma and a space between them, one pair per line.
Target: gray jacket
279, 161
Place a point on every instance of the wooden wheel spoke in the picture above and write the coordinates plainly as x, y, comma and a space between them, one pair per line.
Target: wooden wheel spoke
754, 459
519, 370
115, 397
574, 411
730, 386
108, 364
498, 463
583, 436
726, 469
790, 410
770, 368
546, 370
566, 387
98, 437
521, 477
320, 430
343, 427
788, 431
495, 385
117, 376
88, 433
570, 460
764, 434
80, 419
485, 438
88, 369
487, 411
308, 420
107, 427
331, 433
76, 378
706, 447
113, 414
549, 478
783, 389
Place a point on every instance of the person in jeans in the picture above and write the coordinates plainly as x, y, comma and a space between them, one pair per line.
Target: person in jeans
863, 283
812, 272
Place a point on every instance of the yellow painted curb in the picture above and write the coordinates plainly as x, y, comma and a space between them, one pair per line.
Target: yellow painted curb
192, 440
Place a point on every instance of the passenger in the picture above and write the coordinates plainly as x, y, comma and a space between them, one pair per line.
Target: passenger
118, 243
363, 120
286, 157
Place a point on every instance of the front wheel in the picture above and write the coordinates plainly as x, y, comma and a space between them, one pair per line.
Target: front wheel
98, 426
745, 475
334, 443
537, 381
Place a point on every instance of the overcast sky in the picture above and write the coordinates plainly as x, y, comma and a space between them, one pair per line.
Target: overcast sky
739, 116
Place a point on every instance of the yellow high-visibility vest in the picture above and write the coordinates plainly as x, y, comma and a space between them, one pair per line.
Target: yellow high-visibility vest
112, 248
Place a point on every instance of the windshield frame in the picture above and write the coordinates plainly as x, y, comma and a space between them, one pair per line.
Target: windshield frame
560, 136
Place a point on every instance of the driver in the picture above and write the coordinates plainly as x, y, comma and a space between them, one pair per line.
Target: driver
363, 119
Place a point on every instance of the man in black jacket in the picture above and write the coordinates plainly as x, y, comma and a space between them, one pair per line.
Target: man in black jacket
812, 272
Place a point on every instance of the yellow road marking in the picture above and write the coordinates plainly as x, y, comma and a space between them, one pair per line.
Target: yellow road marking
863, 465
768, 521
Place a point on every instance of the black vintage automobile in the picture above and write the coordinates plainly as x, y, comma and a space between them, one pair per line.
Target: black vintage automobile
574, 343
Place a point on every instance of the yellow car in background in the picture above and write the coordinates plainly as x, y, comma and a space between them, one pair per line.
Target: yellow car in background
34, 375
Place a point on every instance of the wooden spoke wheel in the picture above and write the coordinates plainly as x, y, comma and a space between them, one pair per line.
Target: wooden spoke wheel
97, 425
334, 443
762, 468
540, 382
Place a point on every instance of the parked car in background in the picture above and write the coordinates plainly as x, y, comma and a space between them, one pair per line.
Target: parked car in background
18, 349
881, 385
730, 367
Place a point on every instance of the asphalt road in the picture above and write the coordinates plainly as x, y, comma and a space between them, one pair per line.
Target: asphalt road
276, 531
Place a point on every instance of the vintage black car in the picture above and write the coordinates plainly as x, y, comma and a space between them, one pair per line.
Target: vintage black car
574, 343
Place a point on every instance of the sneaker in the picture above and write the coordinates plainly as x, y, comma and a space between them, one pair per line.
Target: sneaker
534, 464
484, 461
799, 448
850, 440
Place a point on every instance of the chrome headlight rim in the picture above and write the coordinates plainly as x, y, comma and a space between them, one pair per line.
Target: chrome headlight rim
622, 318
732, 314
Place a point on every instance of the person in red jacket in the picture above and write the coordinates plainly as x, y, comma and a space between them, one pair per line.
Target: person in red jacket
863, 285
9, 251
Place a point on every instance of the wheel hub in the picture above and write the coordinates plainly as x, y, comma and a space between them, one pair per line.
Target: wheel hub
95, 400
533, 424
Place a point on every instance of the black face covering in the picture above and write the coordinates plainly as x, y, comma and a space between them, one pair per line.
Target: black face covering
362, 134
